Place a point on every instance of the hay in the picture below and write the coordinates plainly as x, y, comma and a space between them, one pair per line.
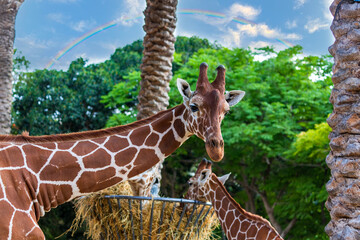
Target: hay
105, 220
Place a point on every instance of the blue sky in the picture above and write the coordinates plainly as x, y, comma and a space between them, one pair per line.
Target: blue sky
44, 28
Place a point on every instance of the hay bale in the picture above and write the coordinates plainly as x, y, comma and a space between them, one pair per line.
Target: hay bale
105, 220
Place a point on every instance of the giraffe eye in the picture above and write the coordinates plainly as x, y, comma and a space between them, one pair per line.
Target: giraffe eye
190, 183
194, 107
226, 113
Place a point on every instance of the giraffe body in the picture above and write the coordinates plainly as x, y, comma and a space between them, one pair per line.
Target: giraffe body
235, 221
38, 173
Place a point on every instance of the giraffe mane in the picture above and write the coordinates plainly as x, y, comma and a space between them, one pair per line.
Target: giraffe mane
237, 205
85, 134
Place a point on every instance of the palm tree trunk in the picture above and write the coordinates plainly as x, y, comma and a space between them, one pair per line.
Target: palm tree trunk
344, 159
160, 23
8, 11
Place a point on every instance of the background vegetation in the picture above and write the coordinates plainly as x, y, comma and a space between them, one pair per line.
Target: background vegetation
275, 138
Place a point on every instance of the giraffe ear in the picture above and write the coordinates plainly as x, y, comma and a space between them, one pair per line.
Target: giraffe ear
184, 88
234, 96
204, 176
224, 178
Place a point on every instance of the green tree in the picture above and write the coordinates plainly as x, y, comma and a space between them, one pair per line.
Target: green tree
49, 102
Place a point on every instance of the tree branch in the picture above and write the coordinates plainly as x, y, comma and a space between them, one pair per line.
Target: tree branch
288, 227
270, 211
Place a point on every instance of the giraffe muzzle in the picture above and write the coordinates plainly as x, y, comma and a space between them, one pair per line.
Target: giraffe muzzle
215, 149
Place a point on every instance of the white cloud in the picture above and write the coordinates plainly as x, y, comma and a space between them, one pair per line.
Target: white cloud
131, 9
232, 38
291, 24
299, 3
82, 25
248, 12
254, 30
79, 26
316, 24
327, 14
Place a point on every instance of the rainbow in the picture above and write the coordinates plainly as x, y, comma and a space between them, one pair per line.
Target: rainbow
286, 43
84, 37
114, 23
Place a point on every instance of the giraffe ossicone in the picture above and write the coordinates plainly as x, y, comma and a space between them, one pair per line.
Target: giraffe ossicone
235, 221
38, 173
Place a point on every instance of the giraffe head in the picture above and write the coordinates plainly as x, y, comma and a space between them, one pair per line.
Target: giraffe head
199, 183
206, 108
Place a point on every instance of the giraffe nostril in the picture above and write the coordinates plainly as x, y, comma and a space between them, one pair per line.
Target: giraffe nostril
213, 143
221, 143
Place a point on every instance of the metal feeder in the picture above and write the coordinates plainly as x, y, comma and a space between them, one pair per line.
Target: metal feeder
192, 215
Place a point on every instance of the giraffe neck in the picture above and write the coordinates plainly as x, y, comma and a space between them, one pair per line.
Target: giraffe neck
49, 172
235, 221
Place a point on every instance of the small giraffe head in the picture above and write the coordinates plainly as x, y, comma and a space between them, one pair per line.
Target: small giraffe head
206, 108
199, 183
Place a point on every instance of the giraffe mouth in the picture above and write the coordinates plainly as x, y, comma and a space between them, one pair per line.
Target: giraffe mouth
215, 149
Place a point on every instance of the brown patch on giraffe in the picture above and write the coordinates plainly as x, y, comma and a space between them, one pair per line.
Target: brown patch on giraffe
123, 171
245, 226
272, 235
222, 214
98, 159
125, 157
95, 181
99, 140
252, 231
19, 232
145, 160
218, 204
52, 195
163, 123
62, 167
1, 193
264, 232
152, 140
15, 188
6, 214
115, 144
11, 157
47, 145
36, 157
31, 183
229, 217
179, 127
139, 135
241, 236
65, 145
168, 144
236, 225
84, 147
179, 111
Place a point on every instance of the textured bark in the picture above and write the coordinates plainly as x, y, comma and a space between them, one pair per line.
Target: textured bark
160, 23
8, 11
344, 159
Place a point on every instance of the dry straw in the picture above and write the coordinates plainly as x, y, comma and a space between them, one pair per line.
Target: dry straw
146, 219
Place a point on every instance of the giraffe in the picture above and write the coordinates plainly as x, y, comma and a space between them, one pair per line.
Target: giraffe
38, 173
235, 221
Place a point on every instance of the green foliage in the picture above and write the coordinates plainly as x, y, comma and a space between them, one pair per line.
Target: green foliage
123, 97
48, 102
